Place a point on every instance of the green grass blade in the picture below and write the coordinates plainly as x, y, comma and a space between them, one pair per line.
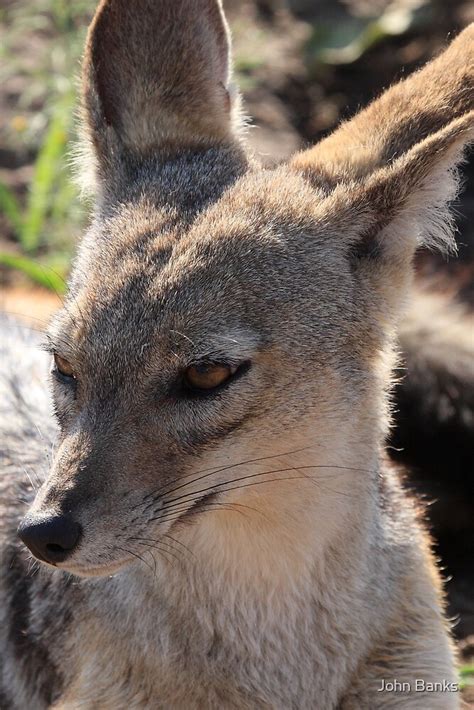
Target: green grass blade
37, 272
47, 167
10, 207
466, 676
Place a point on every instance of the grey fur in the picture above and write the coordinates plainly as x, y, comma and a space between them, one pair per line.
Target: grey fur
247, 549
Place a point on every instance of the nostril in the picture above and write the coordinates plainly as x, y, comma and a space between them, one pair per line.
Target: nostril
51, 539
54, 548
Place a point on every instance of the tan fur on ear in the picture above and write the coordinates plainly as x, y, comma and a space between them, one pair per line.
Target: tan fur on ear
406, 114
403, 205
386, 216
393, 168
417, 189
156, 77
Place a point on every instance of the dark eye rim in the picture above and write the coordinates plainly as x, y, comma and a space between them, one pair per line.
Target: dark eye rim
187, 390
62, 376
64, 379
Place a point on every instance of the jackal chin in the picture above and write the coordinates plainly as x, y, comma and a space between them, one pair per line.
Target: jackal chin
87, 569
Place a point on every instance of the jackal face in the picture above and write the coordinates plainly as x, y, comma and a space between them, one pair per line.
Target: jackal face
221, 347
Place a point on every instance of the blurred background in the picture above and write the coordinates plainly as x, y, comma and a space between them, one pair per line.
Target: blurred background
302, 66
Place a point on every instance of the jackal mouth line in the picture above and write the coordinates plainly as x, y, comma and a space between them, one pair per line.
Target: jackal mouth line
107, 570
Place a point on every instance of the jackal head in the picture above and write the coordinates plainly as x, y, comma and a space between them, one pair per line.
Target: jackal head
222, 358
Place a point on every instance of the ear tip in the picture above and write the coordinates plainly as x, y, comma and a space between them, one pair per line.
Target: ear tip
156, 70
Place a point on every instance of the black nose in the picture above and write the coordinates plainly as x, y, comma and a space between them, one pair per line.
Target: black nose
50, 539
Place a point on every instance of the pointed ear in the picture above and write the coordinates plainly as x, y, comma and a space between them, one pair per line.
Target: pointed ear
390, 172
386, 216
156, 78
403, 116
409, 199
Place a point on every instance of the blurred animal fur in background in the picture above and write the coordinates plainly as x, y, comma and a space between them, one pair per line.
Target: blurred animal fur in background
433, 432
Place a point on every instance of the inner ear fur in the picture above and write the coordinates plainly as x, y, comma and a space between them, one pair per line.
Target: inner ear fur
156, 78
409, 200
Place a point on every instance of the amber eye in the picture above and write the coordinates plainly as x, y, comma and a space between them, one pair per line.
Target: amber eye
63, 367
208, 376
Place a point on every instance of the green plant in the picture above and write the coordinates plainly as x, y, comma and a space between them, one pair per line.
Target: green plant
46, 178
42, 223
346, 40
40, 274
47, 189
466, 676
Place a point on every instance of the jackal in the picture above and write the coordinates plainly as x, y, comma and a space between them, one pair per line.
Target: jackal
217, 526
